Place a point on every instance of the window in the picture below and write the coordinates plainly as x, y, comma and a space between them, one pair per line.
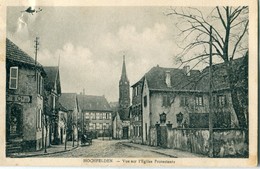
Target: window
222, 101
199, 101
103, 126
87, 115
145, 101
98, 116
105, 116
214, 102
13, 83
98, 126
39, 119
184, 101
140, 131
91, 126
166, 101
136, 118
145, 131
39, 83
93, 116
109, 115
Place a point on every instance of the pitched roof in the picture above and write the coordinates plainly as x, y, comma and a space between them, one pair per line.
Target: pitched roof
179, 80
60, 107
52, 77
14, 53
68, 100
93, 103
219, 75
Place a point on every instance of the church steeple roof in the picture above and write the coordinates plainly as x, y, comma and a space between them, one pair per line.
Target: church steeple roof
123, 75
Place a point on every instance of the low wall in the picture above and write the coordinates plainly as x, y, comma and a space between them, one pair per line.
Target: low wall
153, 136
195, 141
226, 142
230, 143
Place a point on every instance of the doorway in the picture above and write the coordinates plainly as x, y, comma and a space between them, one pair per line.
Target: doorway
125, 132
14, 122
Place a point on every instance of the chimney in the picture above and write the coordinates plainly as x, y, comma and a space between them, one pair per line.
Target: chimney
186, 70
168, 78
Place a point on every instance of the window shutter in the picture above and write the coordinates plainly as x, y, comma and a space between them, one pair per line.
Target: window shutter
225, 100
182, 101
13, 83
40, 118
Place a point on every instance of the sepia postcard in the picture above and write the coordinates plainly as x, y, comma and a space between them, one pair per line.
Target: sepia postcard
128, 83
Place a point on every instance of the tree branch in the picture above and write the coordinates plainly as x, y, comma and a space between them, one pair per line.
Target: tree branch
240, 38
221, 18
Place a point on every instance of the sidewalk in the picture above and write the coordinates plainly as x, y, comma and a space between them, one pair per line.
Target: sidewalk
54, 149
165, 151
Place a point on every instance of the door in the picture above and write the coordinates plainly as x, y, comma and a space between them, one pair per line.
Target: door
125, 132
15, 122
61, 136
158, 136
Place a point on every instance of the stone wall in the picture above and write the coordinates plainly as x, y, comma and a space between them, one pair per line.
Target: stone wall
153, 136
229, 143
226, 142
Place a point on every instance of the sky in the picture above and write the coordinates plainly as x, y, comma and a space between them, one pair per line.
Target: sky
91, 42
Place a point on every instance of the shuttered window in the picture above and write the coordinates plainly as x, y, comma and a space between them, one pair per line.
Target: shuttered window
199, 100
222, 101
166, 101
13, 83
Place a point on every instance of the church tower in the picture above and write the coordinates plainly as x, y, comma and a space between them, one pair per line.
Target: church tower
124, 94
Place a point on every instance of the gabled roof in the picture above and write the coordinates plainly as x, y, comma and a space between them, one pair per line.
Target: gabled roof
219, 77
93, 103
60, 107
179, 80
14, 53
52, 77
68, 101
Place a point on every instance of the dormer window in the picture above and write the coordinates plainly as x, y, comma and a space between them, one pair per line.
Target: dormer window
186, 70
13, 83
168, 79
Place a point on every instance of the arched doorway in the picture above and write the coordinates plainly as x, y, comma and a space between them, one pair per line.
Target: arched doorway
14, 121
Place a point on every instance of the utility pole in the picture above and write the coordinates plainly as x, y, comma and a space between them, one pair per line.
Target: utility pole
210, 97
36, 52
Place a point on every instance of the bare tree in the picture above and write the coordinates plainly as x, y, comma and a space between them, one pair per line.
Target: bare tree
229, 35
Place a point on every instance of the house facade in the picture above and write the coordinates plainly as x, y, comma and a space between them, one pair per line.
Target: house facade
96, 115
70, 103
52, 91
171, 92
62, 126
136, 113
180, 98
24, 100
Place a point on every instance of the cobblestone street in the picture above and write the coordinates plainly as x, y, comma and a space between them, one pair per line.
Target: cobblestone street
108, 149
